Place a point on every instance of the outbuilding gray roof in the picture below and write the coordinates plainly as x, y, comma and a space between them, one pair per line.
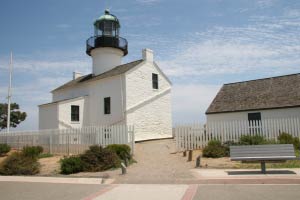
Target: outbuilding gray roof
90, 77
260, 94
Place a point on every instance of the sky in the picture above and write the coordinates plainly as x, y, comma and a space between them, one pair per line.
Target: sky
199, 44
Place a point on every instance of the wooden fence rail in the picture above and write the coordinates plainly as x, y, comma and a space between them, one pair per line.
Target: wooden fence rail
195, 136
71, 141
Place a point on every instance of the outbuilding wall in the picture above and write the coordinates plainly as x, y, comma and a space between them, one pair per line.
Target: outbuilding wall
265, 114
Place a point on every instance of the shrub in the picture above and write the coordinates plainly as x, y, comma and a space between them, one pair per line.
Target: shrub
71, 165
122, 150
32, 151
215, 149
214, 143
99, 159
45, 155
230, 143
285, 138
4, 149
18, 164
252, 140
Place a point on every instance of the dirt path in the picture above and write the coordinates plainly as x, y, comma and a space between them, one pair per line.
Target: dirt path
157, 163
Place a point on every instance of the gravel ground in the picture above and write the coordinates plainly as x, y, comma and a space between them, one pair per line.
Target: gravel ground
157, 163
50, 166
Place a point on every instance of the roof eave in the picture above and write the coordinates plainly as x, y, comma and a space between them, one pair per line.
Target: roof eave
256, 109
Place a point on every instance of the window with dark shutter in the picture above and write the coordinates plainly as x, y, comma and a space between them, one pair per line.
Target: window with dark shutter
254, 116
155, 81
74, 113
107, 105
254, 120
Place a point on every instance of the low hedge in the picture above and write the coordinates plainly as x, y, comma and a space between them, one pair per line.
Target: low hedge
252, 140
95, 159
122, 150
98, 158
285, 138
215, 149
32, 151
71, 165
4, 149
19, 164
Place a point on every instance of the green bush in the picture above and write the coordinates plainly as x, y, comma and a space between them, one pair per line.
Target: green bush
71, 165
4, 149
215, 149
45, 155
98, 158
18, 164
122, 150
214, 143
32, 151
285, 138
252, 140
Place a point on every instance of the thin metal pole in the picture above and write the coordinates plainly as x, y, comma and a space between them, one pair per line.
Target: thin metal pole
9, 92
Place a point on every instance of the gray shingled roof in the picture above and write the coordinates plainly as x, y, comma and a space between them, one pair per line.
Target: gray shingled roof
90, 77
268, 93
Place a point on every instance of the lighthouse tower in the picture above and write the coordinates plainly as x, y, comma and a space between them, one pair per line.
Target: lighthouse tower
106, 47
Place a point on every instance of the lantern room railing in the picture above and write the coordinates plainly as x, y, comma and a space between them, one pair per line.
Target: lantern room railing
106, 41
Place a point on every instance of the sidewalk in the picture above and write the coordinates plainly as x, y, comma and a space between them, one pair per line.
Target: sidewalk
37, 179
246, 176
145, 192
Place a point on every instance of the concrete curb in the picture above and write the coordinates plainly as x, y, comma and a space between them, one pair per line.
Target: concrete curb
35, 179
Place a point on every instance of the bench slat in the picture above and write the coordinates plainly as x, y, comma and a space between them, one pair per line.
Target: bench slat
262, 152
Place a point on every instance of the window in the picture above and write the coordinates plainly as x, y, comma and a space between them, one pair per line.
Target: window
107, 105
154, 81
254, 116
74, 113
254, 123
108, 28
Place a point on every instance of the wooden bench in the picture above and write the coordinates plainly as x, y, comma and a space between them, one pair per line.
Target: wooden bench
263, 153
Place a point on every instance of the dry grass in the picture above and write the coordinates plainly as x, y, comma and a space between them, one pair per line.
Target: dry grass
50, 166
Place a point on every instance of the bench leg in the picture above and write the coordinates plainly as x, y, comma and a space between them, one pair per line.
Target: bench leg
263, 167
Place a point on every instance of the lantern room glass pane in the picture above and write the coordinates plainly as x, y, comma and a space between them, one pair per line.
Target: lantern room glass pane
108, 29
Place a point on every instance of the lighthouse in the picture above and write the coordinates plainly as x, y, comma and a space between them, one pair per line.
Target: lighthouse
114, 93
106, 47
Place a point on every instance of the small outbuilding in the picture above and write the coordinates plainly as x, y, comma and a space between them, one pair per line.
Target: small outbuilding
268, 98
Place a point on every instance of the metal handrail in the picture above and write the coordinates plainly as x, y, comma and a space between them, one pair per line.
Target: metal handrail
106, 41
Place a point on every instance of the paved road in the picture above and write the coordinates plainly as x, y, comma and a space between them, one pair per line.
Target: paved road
248, 192
47, 191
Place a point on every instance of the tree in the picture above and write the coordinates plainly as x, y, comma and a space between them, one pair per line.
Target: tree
16, 116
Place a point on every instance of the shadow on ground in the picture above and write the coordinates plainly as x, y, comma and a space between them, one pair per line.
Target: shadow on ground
273, 172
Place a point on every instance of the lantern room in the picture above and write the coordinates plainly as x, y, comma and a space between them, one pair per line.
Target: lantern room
107, 25
106, 34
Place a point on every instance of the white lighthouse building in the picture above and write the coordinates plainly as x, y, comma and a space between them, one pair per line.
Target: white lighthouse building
136, 93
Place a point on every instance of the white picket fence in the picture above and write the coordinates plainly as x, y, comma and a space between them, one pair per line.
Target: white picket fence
71, 141
195, 136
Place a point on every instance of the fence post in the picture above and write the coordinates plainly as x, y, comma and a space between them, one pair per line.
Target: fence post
132, 140
68, 143
50, 143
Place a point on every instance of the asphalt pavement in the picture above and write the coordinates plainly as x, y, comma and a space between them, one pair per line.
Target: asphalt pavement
64, 191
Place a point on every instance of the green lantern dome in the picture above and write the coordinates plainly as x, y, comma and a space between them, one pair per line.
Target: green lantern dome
107, 17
